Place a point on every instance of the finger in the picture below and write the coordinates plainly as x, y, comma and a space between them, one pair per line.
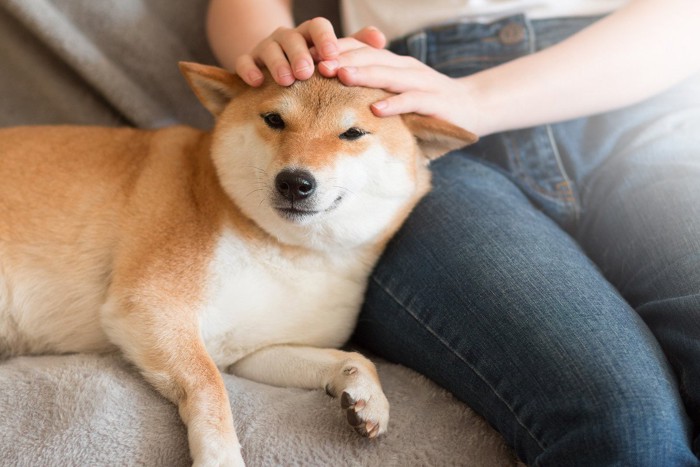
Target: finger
296, 49
248, 70
319, 33
345, 44
371, 36
352, 52
272, 56
362, 56
389, 78
329, 68
368, 56
414, 101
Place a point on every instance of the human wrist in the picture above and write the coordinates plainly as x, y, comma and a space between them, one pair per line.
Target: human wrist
473, 115
490, 104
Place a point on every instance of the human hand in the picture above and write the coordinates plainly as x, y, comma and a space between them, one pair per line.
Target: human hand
287, 52
417, 87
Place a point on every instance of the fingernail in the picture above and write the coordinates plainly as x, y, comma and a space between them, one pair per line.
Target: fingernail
254, 77
330, 65
381, 105
302, 66
284, 72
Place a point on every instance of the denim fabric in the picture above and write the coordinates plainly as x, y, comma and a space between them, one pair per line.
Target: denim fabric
551, 279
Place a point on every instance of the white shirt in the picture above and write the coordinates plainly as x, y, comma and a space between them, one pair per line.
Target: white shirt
399, 17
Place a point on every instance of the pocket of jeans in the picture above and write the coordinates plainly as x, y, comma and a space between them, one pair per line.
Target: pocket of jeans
466, 49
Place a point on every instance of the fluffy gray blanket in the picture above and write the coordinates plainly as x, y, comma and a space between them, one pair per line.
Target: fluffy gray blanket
96, 410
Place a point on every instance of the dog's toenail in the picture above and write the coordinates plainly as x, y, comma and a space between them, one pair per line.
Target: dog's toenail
359, 405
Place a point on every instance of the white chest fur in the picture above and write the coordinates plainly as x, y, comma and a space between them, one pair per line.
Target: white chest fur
260, 295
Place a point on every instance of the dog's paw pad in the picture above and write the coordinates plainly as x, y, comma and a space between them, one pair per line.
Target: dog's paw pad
346, 401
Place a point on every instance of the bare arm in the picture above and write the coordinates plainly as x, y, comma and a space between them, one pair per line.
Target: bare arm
634, 53
249, 35
235, 27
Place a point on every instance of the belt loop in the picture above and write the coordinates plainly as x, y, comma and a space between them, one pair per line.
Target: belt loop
417, 45
532, 38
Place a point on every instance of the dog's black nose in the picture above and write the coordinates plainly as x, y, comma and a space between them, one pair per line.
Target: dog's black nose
295, 184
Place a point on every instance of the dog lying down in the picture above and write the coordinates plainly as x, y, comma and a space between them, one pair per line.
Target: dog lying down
247, 248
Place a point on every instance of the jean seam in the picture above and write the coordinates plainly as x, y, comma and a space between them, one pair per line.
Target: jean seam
570, 197
457, 354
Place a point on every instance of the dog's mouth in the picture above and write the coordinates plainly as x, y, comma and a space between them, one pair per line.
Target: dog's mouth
298, 213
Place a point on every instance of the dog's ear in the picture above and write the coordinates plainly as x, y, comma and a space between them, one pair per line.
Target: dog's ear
437, 137
213, 86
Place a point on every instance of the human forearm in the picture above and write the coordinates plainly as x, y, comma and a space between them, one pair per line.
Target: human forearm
235, 27
629, 56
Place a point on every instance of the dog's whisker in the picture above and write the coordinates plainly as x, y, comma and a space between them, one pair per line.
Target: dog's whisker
254, 191
344, 189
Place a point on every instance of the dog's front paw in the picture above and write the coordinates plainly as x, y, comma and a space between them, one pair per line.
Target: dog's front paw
369, 415
227, 460
362, 398
221, 456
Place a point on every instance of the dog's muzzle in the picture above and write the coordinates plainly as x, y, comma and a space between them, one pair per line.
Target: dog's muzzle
294, 195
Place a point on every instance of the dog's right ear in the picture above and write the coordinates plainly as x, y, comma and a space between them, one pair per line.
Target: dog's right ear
213, 86
436, 137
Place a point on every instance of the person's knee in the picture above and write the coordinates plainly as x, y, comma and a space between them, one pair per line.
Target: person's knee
642, 220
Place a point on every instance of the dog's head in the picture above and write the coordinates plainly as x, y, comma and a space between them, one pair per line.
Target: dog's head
311, 164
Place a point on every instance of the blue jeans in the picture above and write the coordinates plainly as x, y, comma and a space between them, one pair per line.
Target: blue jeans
551, 279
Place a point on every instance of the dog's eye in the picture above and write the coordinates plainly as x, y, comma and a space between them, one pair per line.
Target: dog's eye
353, 134
273, 120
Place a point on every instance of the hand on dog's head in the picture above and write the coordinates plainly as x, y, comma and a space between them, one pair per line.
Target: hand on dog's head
216, 87
311, 164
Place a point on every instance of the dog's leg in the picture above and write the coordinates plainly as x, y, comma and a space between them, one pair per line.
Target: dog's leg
172, 357
347, 375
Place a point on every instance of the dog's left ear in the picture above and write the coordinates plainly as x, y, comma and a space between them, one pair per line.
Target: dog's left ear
213, 86
437, 137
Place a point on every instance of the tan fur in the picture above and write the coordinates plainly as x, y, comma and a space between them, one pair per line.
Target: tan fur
137, 239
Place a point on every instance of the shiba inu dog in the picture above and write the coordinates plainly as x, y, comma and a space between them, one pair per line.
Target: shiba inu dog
246, 248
